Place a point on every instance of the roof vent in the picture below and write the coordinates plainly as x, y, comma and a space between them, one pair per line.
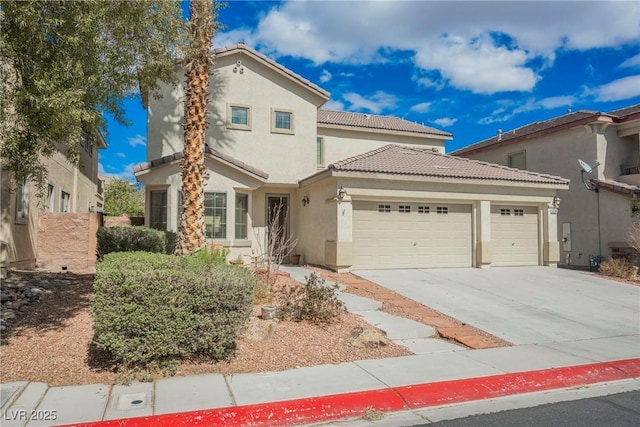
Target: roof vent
499, 134
434, 149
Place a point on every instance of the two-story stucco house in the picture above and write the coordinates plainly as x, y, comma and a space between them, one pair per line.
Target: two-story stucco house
600, 206
361, 191
70, 188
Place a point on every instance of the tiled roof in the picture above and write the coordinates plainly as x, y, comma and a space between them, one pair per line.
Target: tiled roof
369, 121
565, 121
227, 50
616, 186
210, 152
397, 160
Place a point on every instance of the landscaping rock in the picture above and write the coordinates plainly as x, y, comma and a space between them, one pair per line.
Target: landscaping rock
368, 338
21, 290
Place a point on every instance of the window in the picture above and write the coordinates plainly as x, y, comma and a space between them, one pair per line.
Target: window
517, 160
384, 208
65, 201
242, 205
238, 117
423, 209
158, 214
282, 121
215, 215
319, 151
518, 212
85, 143
50, 195
443, 210
505, 212
404, 209
22, 202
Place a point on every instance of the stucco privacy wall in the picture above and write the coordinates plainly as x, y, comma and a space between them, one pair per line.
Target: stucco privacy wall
68, 240
261, 89
555, 154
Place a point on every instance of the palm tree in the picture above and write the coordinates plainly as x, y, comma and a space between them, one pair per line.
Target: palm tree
198, 64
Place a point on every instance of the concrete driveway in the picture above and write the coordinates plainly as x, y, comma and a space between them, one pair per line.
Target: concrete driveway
525, 305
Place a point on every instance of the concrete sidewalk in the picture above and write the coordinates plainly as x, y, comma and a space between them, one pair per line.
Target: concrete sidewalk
438, 375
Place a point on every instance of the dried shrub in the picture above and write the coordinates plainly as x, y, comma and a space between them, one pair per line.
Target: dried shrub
618, 267
314, 302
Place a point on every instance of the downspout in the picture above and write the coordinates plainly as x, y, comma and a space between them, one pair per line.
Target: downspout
599, 228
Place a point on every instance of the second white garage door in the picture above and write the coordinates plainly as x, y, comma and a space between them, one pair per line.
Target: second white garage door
514, 235
411, 235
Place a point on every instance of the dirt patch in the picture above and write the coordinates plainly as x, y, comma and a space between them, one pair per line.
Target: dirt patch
51, 342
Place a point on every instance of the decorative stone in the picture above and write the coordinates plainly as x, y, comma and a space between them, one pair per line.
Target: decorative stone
368, 338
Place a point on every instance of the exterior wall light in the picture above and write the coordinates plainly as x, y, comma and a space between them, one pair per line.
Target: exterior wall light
342, 192
556, 201
305, 201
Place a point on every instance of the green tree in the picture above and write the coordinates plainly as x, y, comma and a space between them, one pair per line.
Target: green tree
120, 198
64, 64
198, 63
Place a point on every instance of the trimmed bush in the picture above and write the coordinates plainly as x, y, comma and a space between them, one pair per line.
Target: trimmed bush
618, 267
129, 239
314, 302
153, 310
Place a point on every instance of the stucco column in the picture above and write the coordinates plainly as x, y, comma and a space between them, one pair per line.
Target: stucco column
338, 254
484, 250
550, 245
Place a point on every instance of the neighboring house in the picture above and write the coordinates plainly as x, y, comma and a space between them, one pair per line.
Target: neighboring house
361, 191
69, 189
591, 221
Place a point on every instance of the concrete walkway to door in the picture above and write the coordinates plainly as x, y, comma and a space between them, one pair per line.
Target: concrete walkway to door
565, 309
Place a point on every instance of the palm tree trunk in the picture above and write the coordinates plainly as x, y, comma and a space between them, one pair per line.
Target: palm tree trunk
199, 61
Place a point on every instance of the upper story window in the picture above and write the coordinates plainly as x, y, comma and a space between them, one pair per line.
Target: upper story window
238, 116
282, 121
518, 160
320, 151
22, 202
65, 201
50, 198
85, 143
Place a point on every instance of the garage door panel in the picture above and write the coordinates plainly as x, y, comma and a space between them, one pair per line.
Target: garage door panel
411, 240
514, 235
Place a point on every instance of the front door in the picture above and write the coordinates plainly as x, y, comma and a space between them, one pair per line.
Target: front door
277, 221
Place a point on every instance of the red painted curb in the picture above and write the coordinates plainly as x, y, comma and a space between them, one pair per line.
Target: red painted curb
337, 406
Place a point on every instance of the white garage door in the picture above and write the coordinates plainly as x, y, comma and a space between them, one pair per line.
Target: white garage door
514, 235
411, 235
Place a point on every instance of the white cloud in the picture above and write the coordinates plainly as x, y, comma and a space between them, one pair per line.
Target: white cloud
634, 61
422, 107
624, 88
376, 103
138, 139
325, 76
333, 105
125, 174
445, 121
121, 155
430, 83
510, 109
489, 48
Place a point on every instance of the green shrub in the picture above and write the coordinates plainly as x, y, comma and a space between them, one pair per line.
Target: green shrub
314, 302
153, 310
129, 239
216, 256
618, 267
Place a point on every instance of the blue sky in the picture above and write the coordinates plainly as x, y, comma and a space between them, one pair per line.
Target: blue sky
465, 67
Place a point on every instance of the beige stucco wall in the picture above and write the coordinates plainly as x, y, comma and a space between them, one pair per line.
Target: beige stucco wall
260, 88
340, 144
18, 242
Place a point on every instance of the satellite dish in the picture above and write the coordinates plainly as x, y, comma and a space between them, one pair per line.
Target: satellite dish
585, 166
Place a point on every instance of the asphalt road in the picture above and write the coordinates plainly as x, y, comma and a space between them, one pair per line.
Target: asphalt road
616, 410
